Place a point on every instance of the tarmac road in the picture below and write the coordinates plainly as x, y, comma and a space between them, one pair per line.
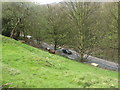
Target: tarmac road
75, 56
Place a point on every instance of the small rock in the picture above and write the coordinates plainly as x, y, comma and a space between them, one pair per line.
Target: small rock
94, 64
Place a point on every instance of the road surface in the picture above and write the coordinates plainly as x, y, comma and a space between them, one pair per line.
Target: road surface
75, 56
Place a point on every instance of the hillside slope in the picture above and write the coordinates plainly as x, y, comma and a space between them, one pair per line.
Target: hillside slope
25, 66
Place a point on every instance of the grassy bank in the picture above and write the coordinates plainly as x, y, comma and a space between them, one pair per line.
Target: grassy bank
25, 66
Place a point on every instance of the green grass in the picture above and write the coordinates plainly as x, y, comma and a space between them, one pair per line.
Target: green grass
25, 66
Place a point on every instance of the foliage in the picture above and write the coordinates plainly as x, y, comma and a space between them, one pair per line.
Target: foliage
87, 27
82, 15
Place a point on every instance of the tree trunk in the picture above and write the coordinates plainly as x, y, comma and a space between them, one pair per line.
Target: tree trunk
55, 47
14, 29
82, 57
17, 35
55, 44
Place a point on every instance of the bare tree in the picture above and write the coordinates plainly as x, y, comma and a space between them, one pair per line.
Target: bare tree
56, 24
83, 19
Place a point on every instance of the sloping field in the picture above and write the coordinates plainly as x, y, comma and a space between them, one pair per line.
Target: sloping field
25, 66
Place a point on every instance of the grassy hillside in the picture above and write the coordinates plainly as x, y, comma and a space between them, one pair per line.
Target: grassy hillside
25, 66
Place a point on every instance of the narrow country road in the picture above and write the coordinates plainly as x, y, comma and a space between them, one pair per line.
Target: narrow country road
103, 63
75, 56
